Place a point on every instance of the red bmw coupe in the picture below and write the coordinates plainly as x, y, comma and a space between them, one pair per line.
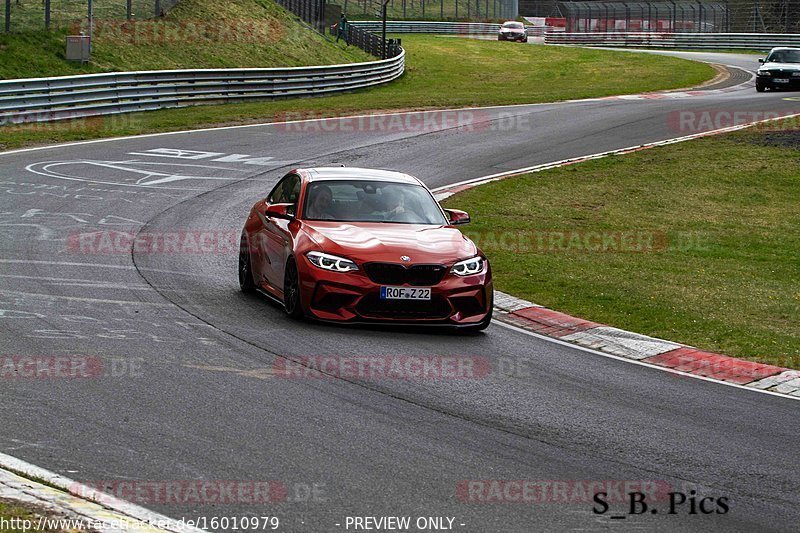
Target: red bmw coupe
361, 246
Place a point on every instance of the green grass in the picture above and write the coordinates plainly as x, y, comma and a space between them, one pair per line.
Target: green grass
723, 272
440, 72
195, 34
14, 511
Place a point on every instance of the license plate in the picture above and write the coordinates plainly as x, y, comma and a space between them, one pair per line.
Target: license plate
779, 80
405, 293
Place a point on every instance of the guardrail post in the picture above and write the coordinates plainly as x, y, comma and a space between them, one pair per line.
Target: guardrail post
128, 9
383, 28
90, 21
699, 15
8, 16
47, 14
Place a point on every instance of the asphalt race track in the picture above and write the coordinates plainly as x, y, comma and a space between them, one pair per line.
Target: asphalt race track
187, 390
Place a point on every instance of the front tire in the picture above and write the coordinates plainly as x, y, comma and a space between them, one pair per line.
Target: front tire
760, 87
291, 291
246, 283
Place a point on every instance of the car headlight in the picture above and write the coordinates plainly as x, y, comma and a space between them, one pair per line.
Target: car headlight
331, 262
468, 267
763, 73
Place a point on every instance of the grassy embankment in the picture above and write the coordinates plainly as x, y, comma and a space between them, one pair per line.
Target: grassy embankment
441, 72
718, 266
194, 34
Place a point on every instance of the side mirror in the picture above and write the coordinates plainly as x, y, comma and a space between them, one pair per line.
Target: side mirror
284, 211
762, 60
457, 217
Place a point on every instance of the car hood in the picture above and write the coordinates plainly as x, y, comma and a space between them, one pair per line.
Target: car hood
783, 66
387, 242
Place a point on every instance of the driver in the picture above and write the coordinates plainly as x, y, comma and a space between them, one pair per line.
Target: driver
395, 203
321, 203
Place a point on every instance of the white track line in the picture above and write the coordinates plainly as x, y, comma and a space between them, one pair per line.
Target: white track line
635, 362
317, 119
140, 513
127, 509
600, 155
546, 166
348, 117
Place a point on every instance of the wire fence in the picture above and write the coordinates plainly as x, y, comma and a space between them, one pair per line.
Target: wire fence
731, 16
310, 11
319, 15
371, 43
680, 16
433, 9
32, 15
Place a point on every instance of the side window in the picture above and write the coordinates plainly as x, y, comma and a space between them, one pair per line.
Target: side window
276, 192
286, 191
292, 190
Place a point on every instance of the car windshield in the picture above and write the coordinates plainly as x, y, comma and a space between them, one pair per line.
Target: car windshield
515, 25
371, 201
784, 56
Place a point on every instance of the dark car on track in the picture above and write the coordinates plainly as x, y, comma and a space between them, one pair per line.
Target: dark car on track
361, 246
513, 31
779, 70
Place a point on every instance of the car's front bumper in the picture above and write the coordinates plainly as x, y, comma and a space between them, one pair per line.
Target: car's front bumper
779, 82
353, 298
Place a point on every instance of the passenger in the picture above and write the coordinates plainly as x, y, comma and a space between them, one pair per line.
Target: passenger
321, 205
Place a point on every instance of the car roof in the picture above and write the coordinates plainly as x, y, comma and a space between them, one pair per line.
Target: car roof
354, 173
785, 48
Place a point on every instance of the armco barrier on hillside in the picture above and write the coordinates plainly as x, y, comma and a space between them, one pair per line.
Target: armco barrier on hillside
696, 41
70, 97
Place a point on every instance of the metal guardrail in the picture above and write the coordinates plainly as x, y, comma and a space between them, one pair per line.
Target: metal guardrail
445, 28
69, 97
689, 41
